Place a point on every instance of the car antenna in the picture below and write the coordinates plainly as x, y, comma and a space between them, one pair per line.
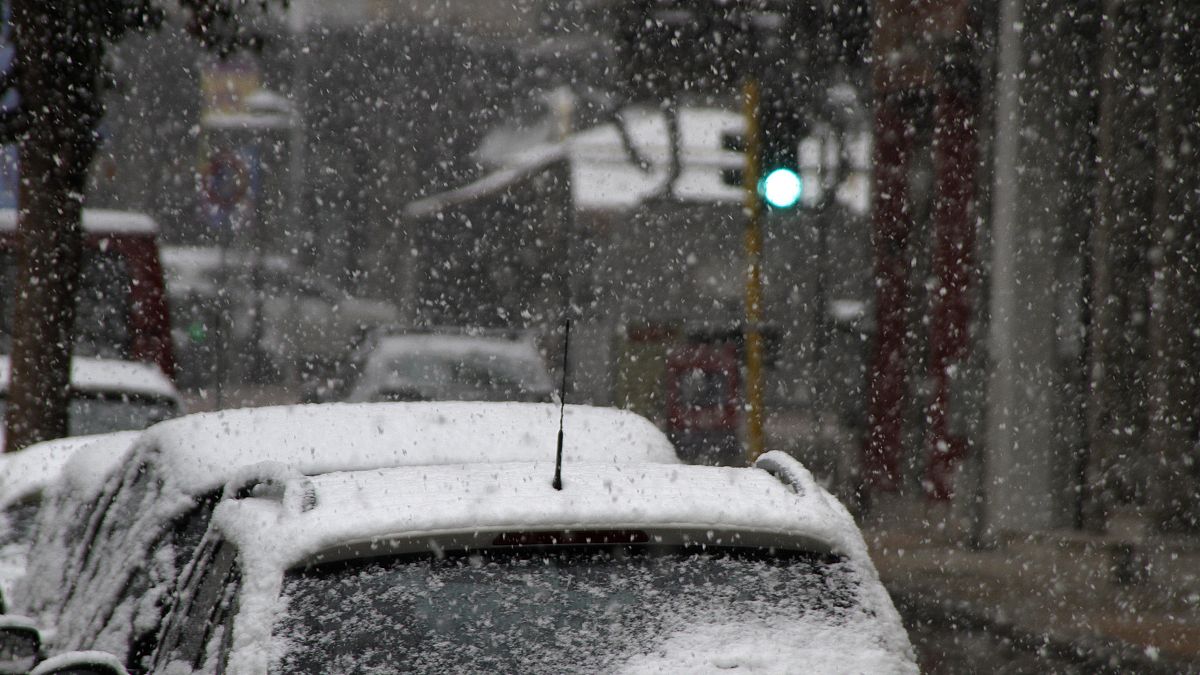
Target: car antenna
562, 405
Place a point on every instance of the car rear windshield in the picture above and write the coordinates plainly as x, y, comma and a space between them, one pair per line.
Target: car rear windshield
550, 610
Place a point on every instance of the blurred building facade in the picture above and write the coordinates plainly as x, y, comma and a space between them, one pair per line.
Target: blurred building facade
1016, 297
1077, 398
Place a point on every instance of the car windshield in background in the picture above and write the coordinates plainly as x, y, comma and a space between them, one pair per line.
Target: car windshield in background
104, 414
546, 610
476, 377
90, 413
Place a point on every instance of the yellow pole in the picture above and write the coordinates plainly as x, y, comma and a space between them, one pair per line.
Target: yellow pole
753, 242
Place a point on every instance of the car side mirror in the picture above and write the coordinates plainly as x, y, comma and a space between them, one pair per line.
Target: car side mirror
81, 663
20, 645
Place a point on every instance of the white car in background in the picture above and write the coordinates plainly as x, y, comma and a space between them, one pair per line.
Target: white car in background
642, 568
108, 552
110, 395
438, 366
304, 320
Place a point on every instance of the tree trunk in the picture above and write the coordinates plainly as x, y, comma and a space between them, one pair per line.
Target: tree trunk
1102, 296
58, 74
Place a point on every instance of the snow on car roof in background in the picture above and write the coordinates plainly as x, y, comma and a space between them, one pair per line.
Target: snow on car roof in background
98, 221
197, 269
108, 375
32, 469
392, 346
473, 498
208, 258
201, 452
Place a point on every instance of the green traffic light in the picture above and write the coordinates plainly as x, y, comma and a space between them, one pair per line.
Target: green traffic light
197, 332
782, 188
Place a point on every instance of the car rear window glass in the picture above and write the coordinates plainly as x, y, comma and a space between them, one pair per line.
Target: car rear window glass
545, 610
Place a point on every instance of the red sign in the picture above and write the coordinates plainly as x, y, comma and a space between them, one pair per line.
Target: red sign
226, 180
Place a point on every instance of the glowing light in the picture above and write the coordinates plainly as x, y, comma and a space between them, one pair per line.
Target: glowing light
782, 188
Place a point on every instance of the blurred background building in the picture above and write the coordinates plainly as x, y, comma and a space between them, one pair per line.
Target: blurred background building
986, 300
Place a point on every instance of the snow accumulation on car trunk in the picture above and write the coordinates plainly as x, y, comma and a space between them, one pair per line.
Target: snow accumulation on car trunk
395, 504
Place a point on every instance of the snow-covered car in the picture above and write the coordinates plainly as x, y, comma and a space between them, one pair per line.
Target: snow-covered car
470, 568
107, 553
110, 400
448, 367
111, 395
26, 475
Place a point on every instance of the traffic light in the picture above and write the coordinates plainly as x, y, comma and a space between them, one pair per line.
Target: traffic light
782, 188
780, 183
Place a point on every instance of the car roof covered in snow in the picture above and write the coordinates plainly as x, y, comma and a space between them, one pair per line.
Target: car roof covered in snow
399, 345
98, 221
109, 375
208, 259
775, 504
31, 469
201, 452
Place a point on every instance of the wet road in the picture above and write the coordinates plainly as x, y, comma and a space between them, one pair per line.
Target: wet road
949, 645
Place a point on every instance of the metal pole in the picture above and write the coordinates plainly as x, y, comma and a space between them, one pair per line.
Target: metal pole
753, 243
1002, 388
222, 327
298, 152
258, 239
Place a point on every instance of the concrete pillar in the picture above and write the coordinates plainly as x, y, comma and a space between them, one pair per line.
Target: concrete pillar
1018, 473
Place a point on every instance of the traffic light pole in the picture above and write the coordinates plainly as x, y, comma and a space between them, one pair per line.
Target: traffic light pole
754, 244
